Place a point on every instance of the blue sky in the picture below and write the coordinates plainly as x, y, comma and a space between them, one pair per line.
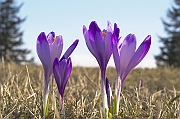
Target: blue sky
67, 18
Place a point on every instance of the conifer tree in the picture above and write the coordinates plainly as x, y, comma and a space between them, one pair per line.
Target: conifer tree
10, 33
170, 51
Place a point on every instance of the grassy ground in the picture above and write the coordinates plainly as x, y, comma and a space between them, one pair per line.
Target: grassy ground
21, 93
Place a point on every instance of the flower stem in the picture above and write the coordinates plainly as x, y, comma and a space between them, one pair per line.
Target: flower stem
62, 105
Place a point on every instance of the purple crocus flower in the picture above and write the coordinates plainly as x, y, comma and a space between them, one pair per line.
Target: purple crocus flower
48, 48
99, 44
126, 57
62, 70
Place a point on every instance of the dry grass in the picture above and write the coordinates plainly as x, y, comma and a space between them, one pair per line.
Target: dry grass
21, 93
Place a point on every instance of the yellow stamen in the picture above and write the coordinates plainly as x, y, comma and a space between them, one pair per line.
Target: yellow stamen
104, 34
56, 38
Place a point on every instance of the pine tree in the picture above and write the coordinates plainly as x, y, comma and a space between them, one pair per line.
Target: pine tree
10, 34
170, 51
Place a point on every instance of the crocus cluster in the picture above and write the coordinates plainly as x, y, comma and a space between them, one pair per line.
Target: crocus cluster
49, 49
103, 43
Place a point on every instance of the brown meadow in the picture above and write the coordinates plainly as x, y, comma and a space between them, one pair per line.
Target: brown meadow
21, 93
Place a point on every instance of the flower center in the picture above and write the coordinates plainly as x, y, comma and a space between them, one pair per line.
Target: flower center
104, 34
56, 38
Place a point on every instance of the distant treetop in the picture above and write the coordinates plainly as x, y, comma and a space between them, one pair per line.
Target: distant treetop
10, 34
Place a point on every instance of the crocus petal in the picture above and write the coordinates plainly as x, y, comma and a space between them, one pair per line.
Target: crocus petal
68, 65
56, 71
94, 32
65, 69
116, 58
70, 49
138, 55
115, 37
56, 48
43, 51
99, 47
109, 27
86, 37
94, 46
96, 40
115, 41
126, 52
50, 37
108, 47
